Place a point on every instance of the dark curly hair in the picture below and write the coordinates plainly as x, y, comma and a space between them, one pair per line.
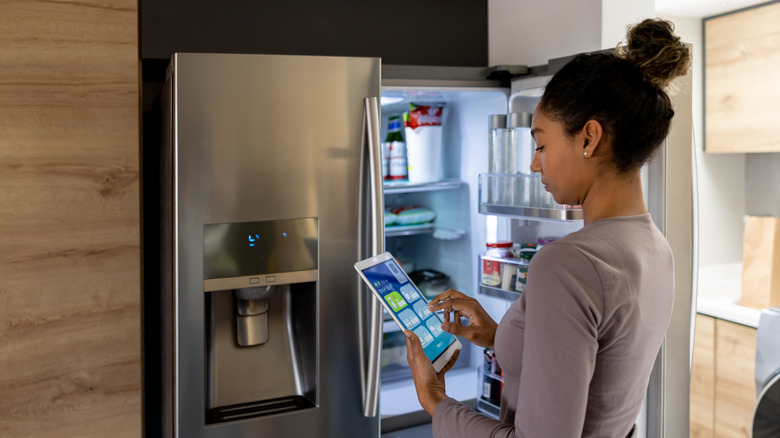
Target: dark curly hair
623, 91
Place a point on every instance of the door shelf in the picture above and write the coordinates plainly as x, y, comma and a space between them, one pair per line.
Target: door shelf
391, 188
497, 292
523, 196
487, 408
534, 213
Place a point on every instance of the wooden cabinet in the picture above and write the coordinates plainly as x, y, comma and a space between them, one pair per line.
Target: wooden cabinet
70, 295
735, 390
742, 58
723, 392
703, 379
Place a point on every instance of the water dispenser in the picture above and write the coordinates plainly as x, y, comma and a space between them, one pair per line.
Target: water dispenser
260, 284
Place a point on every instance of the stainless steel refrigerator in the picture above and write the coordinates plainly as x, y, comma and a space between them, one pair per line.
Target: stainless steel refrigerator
271, 193
259, 146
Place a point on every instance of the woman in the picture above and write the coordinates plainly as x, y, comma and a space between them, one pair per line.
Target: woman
578, 347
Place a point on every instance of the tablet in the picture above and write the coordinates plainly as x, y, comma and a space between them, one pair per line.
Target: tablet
408, 307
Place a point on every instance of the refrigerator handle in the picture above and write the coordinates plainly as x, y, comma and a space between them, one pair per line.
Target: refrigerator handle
374, 230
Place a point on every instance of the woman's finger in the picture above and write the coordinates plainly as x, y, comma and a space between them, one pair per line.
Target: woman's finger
447, 295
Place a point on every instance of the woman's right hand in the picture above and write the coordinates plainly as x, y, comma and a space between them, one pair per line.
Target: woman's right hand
481, 328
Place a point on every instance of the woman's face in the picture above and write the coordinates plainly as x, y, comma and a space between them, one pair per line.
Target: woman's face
560, 160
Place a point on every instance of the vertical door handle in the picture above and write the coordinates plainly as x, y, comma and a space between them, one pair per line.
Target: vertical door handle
372, 227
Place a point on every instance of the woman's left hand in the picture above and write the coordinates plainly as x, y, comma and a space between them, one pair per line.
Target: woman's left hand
428, 384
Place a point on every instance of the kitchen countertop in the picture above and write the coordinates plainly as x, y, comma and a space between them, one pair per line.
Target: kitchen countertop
719, 292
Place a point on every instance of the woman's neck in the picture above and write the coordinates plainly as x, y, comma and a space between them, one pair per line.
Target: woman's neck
613, 195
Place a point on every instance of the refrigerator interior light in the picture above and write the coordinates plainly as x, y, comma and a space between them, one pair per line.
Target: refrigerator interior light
389, 100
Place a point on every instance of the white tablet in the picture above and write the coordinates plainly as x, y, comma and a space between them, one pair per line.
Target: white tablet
408, 307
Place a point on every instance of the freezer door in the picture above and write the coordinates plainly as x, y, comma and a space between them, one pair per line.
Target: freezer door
258, 138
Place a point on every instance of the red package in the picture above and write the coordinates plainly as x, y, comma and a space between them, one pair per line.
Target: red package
423, 115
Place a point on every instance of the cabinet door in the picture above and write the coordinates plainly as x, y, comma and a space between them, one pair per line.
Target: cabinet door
703, 378
735, 390
742, 56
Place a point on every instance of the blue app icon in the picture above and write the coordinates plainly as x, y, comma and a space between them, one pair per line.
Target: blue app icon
425, 336
434, 325
422, 309
409, 318
410, 293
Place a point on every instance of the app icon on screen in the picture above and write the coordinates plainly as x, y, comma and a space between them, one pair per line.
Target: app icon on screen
409, 318
434, 325
422, 309
410, 293
424, 335
396, 301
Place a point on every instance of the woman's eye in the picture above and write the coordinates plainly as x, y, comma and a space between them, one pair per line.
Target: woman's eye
539, 148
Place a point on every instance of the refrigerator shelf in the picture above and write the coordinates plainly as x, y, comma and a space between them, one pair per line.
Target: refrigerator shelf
487, 408
523, 196
439, 232
391, 188
499, 293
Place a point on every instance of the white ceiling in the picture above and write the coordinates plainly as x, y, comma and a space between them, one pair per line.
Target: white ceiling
700, 8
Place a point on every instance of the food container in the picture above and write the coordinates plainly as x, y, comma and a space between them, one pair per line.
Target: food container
491, 262
525, 254
430, 282
423, 133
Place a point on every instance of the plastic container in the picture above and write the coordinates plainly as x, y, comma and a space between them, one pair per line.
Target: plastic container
520, 142
497, 133
540, 242
491, 265
430, 282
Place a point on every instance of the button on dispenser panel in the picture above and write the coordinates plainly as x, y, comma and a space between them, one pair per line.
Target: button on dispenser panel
254, 280
270, 279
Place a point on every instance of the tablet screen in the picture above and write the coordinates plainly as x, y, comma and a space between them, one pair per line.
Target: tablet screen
406, 302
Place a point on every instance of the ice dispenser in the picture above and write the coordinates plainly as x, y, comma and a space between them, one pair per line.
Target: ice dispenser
261, 304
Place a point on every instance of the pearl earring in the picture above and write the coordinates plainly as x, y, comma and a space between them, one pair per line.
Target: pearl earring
586, 153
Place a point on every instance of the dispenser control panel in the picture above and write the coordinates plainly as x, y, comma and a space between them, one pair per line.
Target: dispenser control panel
262, 249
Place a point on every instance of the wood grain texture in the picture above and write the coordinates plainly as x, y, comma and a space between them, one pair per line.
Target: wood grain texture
735, 390
742, 97
70, 301
702, 411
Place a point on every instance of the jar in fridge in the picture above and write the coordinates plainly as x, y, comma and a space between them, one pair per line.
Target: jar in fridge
525, 254
491, 261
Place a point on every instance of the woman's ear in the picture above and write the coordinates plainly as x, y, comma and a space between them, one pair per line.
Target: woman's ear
592, 134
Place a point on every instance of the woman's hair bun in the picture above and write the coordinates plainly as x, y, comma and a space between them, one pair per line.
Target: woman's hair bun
656, 51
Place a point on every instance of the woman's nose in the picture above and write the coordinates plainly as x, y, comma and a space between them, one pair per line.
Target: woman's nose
536, 163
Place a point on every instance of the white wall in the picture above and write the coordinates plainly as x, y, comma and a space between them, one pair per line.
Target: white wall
721, 177
530, 32
618, 15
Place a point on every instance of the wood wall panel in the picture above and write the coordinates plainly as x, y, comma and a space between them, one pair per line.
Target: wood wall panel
742, 99
735, 389
70, 300
703, 379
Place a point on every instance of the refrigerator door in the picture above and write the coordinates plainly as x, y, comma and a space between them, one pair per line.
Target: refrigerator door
264, 139
672, 202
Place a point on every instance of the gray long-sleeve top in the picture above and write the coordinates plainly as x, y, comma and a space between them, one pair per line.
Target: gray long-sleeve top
578, 347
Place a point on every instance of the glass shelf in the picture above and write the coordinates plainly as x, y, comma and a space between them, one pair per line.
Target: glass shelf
391, 188
522, 196
439, 232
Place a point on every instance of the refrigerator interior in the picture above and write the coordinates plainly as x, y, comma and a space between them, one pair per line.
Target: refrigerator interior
458, 233
456, 202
